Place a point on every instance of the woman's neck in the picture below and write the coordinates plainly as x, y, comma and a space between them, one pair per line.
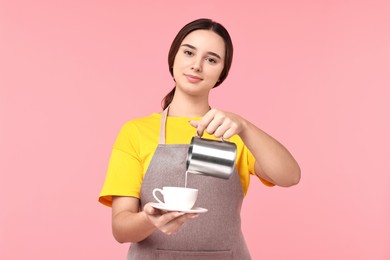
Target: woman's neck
188, 108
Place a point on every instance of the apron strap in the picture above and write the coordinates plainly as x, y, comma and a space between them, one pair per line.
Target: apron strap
164, 115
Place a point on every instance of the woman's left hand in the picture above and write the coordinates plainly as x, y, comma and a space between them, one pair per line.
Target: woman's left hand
219, 123
274, 163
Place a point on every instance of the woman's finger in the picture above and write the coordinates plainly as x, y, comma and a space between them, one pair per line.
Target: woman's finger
205, 121
174, 225
221, 130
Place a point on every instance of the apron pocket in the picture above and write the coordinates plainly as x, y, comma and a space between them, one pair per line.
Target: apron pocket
194, 255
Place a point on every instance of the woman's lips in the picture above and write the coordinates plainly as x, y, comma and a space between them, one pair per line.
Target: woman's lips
192, 78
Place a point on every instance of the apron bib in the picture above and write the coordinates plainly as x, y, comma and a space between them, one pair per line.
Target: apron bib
215, 234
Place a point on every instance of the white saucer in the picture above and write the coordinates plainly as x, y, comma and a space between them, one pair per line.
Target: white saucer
164, 207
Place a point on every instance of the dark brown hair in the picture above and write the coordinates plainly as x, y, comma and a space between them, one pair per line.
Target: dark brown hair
200, 24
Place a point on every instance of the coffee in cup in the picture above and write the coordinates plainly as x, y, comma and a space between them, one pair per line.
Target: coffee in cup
177, 197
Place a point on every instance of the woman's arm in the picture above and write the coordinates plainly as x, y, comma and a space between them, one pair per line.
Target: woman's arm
274, 162
131, 225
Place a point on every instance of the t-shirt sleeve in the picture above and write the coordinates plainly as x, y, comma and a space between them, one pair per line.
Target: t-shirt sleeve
251, 163
124, 172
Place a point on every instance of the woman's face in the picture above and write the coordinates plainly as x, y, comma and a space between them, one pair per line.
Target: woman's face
199, 62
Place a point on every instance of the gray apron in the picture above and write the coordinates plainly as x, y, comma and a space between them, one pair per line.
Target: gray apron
214, 235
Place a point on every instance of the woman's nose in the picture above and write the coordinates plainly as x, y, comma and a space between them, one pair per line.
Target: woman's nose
197, 65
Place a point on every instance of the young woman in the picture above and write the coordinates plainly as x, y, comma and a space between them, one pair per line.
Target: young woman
150, 152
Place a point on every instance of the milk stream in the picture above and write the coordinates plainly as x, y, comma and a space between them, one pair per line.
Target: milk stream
185, 181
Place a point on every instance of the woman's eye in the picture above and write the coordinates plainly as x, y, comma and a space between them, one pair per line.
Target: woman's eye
189, 53
211, 60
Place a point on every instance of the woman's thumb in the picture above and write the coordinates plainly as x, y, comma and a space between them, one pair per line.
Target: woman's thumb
193, 123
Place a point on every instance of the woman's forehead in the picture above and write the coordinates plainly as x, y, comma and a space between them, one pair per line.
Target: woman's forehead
205, 40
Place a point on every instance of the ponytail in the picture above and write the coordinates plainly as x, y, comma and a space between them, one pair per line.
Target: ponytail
168, 99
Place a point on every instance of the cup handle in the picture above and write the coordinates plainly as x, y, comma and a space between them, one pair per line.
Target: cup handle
155, 196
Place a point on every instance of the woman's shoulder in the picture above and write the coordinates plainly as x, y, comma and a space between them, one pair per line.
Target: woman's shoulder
145, 121
140, 129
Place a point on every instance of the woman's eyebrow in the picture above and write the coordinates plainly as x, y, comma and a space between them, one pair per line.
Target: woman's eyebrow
194, 48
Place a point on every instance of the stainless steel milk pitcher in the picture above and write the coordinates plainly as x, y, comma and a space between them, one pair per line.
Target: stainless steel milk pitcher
215, 158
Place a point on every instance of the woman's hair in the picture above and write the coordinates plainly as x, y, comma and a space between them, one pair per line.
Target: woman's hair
200, 24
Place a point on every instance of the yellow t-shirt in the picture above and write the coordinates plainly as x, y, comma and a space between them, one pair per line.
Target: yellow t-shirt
136, 144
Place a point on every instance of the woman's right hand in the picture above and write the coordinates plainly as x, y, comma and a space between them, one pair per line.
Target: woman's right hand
167, 222
129, 224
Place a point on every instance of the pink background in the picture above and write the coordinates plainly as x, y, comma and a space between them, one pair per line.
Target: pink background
314, 74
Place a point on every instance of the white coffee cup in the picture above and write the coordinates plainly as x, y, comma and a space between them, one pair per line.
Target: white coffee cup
177, 197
